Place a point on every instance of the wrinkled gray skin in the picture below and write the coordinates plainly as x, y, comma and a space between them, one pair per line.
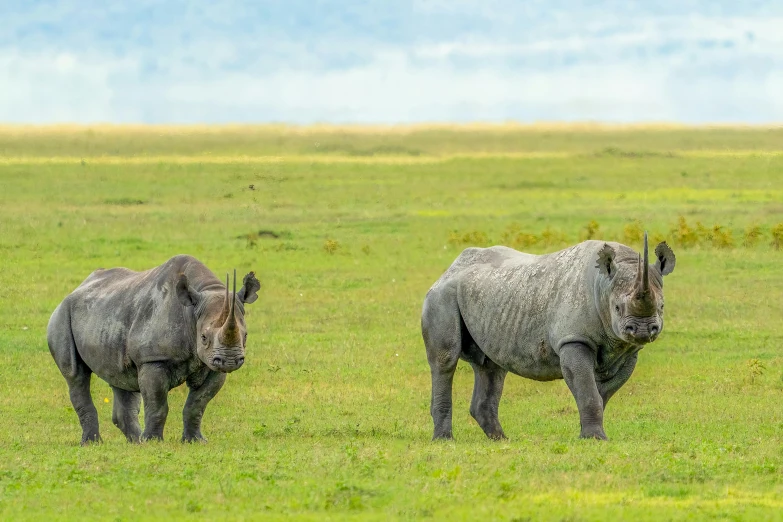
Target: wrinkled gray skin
581, 314
148, 332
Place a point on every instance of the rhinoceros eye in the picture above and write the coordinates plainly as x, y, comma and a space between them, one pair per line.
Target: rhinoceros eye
203, 338
617, 308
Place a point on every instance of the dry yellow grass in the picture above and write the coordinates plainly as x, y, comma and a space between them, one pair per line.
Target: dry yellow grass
332, 159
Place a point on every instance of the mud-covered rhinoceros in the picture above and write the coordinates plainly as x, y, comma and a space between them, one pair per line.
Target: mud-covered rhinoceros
581, 314
145, 333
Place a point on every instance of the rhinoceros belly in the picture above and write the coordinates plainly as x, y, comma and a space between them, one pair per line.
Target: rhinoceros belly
524, 352
510, 314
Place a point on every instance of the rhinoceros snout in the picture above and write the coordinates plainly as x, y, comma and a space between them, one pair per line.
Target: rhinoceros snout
642, 333
227, 364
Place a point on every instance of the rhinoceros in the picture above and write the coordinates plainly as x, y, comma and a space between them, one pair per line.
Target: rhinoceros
581, 314
148, 332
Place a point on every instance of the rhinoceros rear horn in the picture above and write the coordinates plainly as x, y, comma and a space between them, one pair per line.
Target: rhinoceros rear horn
229, 332
234, 295
226, 305
637, 285
646, 265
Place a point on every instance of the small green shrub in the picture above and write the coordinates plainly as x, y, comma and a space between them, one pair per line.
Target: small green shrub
523, 240
507, 238
656, 238
703, 233
591, 229
777, 236
633, 233
755, 369
515, 238
550, 237
331, 246
474, 238
752, 236
683, 235
721, 237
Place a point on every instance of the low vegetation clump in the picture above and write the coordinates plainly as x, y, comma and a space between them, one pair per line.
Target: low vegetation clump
681, 234
473, 238
777, 236
331, 246
752, 237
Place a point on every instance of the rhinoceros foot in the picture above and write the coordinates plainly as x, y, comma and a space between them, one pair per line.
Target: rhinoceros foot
196, 438
93, 438
593, 433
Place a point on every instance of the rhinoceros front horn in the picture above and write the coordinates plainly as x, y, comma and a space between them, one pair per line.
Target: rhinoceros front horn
229, 332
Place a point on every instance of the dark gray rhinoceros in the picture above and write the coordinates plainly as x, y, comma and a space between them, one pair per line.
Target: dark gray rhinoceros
581, 314
145, 333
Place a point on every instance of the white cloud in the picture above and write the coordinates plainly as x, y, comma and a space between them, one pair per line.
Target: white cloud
689, 34
54, 88
691, 69
389, 89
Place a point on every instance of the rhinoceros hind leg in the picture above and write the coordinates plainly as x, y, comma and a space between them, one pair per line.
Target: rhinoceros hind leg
79, 390
125, 414
487, 389
440, 325
76, 373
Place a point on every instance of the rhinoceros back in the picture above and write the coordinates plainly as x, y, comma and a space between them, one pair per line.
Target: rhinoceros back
121, 318
520, 308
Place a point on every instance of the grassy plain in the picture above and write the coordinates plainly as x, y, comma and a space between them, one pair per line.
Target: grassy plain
328, 419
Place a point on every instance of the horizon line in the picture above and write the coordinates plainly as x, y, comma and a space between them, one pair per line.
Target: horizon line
380, 127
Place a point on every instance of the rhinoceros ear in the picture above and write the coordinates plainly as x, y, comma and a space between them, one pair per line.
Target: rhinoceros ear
185, 294
665, 258
606, 261
250, 286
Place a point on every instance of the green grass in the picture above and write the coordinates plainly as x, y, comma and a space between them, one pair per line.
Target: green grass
329, 416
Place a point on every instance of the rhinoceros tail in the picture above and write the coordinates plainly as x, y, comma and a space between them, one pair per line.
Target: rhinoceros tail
62, 345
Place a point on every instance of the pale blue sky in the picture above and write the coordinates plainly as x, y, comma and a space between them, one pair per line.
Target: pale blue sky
692, 61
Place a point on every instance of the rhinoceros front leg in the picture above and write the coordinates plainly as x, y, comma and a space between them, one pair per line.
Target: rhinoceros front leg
577, 363
487, 389
125, 413
198, 398
610, 386
154, 384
